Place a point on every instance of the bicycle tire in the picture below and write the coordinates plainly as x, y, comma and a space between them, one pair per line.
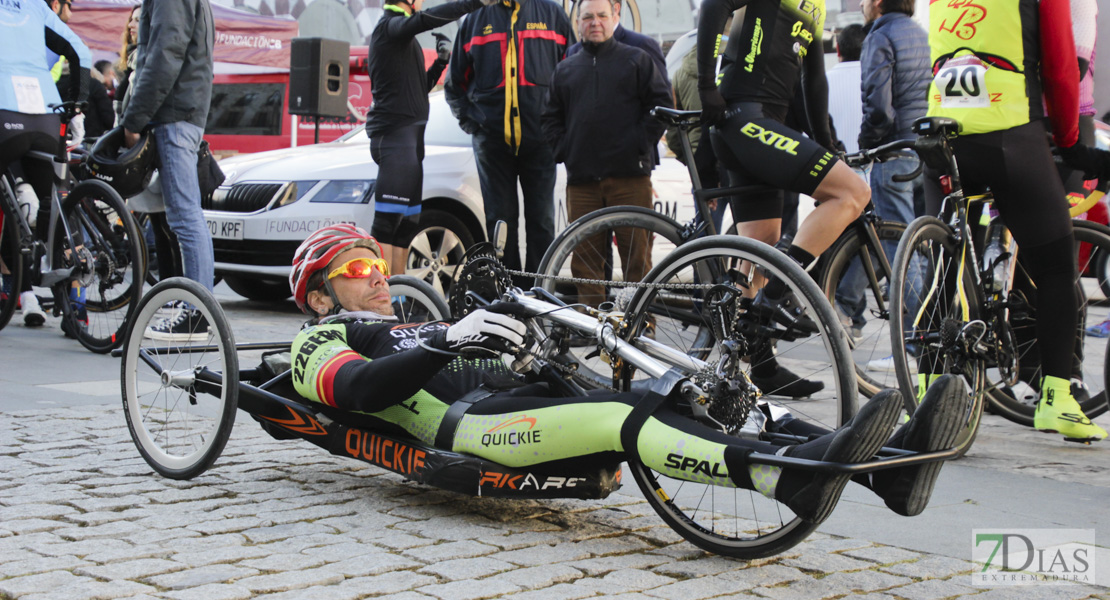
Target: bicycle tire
1020, 407
179, 430
927, 244
109, 264
663, 233
766, 527
875, 342
12, 259
416, 301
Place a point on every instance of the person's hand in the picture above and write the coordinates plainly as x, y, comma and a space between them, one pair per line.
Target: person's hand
443, 47
130, 138
468, 126
486, 330
1093, 162
712, 105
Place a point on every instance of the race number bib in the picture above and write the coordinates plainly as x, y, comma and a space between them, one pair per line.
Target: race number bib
962, 83
28, 95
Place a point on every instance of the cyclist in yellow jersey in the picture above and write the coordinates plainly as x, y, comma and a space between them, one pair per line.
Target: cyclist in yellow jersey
993, 62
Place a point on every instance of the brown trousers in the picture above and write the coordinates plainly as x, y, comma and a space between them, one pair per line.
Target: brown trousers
633, 245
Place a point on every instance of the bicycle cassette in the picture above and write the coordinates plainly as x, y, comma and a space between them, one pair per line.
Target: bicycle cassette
483, 276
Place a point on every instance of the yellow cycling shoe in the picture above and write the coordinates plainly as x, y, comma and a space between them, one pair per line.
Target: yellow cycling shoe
1058, 412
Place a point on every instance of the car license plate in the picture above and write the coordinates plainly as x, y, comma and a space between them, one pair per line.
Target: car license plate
225, 229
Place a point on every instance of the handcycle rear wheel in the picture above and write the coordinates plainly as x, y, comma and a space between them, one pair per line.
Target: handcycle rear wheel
179, 397
107, 252
731, 521
844, 258
925, 305
11, 267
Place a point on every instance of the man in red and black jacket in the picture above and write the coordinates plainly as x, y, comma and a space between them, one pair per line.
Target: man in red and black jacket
500, 68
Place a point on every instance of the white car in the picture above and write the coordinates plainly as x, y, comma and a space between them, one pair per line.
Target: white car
272, 200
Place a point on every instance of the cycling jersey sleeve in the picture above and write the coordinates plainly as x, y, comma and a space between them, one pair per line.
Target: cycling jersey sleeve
61, 40
356, 367
711, 26
1060, 71
434, 71
429, 19
817, 94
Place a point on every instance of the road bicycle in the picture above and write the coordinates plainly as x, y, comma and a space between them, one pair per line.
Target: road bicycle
962, 294
180, 402
93, 259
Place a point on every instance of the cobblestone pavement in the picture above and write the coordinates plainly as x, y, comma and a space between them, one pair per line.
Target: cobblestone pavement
82, 516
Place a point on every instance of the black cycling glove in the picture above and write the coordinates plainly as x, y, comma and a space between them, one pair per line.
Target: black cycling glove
712, 105
1093, 162
443, 47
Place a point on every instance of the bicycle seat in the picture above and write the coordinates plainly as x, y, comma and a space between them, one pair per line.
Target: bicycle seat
936, 125
686, 119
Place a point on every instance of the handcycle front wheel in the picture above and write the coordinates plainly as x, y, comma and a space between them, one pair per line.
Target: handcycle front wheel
11, 266
180, 395
416, 300
935, 307
99, 239
732, 521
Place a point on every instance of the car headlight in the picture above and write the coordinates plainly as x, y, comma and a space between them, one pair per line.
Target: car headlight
293, 192
346, 192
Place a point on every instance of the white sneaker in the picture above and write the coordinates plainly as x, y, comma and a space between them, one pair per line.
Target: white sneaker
885, 365
32, 312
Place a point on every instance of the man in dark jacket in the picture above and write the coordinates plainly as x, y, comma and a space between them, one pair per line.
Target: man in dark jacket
596, 118
170, 98
503, 60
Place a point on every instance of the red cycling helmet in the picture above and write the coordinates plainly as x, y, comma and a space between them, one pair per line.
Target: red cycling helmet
317, 251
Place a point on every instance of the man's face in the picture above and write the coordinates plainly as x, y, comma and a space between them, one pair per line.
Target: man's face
596, 20
870, 9
63, 8
368, 293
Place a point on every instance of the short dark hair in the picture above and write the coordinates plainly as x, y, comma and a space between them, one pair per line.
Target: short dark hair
102, 65
849, 42
902, 6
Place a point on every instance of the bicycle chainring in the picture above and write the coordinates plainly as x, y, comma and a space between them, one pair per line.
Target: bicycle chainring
482, 275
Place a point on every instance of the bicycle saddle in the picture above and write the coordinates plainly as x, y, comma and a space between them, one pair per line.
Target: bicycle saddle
933, 125
686, 119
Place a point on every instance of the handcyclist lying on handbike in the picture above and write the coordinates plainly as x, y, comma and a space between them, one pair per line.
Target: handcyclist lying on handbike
355, 356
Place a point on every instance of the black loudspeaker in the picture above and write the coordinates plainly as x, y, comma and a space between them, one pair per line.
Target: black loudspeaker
318, 73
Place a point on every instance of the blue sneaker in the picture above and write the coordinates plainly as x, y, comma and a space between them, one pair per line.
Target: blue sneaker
1101, 330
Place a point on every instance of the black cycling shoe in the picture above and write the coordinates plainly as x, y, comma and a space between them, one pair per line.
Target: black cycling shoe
785, 383
935, 424
784, 311
855, 442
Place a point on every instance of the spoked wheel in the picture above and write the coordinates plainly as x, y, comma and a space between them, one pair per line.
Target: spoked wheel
1018, 402
180, 395
845, 273
591, 248
99, 239
416, 301
726, 520
11, 267
935, 317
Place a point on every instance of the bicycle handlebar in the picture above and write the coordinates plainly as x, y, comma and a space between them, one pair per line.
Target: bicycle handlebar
69, 109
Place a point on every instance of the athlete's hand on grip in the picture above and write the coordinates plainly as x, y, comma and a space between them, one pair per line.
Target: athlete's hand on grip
483, 329
712, 105
443, 47
1093, 162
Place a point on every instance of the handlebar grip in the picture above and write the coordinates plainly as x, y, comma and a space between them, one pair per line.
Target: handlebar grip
911, 175
508, 308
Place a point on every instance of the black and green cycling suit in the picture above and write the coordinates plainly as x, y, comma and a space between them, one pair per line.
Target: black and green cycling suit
378, 369
759, 72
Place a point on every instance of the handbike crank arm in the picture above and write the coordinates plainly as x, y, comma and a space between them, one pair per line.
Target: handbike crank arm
603, 332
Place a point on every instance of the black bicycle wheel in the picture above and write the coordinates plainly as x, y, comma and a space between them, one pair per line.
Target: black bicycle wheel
592, 242
1018, 402
935, 315
416, 301
179, 397
731, 521
845, 272
98, 238
11, 263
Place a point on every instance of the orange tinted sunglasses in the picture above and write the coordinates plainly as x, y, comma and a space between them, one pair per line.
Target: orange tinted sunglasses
360, 268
